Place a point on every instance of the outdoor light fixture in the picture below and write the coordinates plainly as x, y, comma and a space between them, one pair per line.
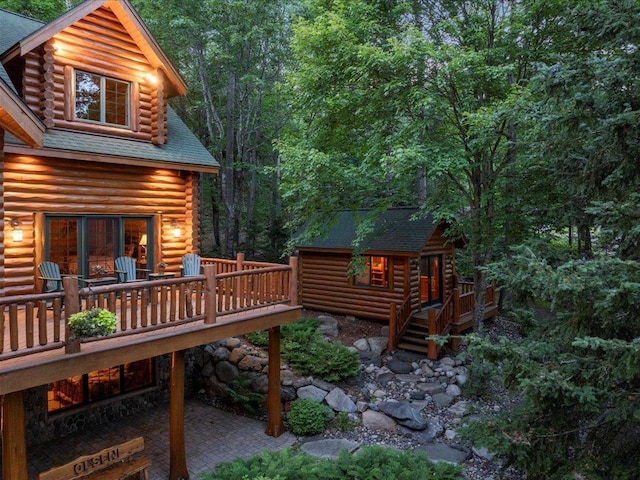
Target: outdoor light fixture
177, 231
17, 230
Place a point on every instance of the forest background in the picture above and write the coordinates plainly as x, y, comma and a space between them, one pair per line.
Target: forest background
515, 120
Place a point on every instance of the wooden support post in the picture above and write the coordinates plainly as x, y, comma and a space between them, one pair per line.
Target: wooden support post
293, 281
275, 425
14, 443
71, 306
432, 347
177, 452
210, 294
239, 293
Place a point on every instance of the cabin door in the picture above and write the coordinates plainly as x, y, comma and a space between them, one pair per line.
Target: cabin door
430, 279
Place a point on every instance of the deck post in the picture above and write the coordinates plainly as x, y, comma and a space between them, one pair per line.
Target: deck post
432, 347
293, 281
71, 306
210, 294
391, 346
238, 294
275, 425
177, 453
14, 443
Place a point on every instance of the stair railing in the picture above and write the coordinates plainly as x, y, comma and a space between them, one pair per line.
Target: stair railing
439, 323
399, 317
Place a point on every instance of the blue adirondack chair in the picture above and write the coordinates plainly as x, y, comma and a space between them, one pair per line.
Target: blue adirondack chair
50, 276
190, 265
127, 272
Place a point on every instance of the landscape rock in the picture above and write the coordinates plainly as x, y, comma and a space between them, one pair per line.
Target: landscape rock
329, 448
328, 326
378, 344
434, 430
431, 388
378, 421
442, 400
312, 392
220, 354
362, 345
453, 390
404, 414
398, 366
226, 372
441, 452
252, 363
340, 401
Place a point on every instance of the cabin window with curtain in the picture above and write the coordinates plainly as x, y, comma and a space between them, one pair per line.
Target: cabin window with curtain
100, 384
374, 274
101, 99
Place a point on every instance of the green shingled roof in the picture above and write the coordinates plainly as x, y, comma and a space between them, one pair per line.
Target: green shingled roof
14, 28
395, 230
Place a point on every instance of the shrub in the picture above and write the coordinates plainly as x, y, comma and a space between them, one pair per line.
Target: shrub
304, 349
308, 417
96, 322
371, 463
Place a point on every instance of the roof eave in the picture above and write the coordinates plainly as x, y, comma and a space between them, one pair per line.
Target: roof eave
113, 159
18, 119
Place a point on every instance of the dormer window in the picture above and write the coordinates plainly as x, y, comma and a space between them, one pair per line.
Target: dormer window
101, 99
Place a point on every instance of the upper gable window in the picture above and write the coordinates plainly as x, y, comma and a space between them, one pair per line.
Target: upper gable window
101, 99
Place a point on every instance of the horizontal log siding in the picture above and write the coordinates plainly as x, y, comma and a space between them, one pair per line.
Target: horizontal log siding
36, 185
326, 286
98, 44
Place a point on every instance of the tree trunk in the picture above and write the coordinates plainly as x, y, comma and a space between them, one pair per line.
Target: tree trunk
228, 173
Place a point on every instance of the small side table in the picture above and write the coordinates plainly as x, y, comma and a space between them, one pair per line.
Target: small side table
161, 276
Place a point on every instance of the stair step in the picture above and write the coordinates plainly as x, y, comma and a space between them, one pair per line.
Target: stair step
414, 340
414, 331
411, 347
418, 326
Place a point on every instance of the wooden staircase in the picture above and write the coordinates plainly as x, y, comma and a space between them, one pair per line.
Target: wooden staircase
415, 336
451, 318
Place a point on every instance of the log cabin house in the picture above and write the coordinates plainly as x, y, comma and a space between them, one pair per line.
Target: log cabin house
409, 277
95, 165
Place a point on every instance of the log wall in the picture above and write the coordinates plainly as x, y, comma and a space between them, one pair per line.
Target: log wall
325, 285
34, 186
99, 44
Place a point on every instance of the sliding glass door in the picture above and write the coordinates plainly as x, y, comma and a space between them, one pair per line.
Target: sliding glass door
84, 245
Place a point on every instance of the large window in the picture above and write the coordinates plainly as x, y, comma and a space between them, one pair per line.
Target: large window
101, 99
98, 385
374, 274
81, 244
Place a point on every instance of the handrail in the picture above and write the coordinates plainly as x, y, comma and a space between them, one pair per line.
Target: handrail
439, 323
37, 322
399, 318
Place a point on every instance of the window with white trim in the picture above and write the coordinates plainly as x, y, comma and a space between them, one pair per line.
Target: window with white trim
101, 99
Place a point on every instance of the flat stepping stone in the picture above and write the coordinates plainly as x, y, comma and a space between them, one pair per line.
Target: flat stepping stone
329, 448
441, 452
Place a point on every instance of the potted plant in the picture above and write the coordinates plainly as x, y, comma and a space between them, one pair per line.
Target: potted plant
161, 267
96, 322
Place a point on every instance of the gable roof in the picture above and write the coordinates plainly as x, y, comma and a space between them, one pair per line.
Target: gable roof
396, 230
22, 35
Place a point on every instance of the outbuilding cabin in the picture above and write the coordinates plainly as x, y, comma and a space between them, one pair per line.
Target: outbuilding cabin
409, 275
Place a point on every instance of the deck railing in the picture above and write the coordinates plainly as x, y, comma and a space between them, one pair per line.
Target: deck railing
399, 318
37, 322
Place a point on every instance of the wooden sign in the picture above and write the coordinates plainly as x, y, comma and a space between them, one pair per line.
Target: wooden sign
88, 464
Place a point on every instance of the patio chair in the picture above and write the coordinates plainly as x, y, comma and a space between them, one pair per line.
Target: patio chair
127, 272
50, 276
190, 265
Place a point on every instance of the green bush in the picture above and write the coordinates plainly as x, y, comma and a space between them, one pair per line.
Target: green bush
304, 349
96, 322
308, 417
370, 463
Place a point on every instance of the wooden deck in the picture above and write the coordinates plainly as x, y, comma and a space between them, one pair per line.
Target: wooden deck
154, 318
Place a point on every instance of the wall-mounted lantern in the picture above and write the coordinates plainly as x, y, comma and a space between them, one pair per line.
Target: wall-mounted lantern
177, 231
17, 230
